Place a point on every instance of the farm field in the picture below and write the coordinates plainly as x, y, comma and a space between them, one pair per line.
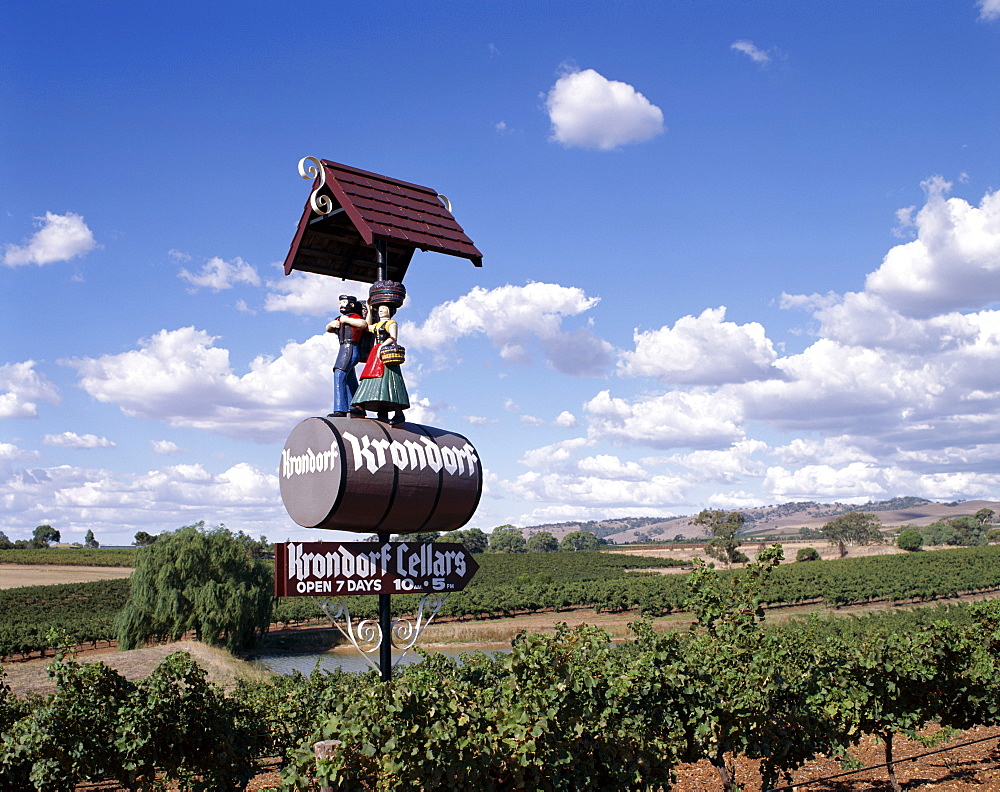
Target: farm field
18, 575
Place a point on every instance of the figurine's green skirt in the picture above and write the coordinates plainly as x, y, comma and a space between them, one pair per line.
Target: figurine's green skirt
380, 394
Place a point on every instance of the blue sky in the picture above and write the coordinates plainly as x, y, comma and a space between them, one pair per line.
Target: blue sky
735, 253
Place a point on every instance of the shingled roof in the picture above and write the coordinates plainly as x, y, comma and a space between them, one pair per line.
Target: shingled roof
368, 208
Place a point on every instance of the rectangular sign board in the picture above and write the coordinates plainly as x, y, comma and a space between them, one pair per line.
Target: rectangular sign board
336, 569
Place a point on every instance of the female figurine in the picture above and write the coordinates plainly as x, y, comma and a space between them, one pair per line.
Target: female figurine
381, 388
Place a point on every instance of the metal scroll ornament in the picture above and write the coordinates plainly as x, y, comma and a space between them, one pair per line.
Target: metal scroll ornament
321, 204
366, 635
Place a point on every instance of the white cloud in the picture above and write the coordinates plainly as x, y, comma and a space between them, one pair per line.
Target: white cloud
751, 50
10, 453
856, 481
518, 320
21, 387
217, 275
165, 447
73, 440
840, 450
116, 505
607, 466
531, 420
554, 457
703, 350
180, 376
654, 492
58, 238
675, 419
309, 294
954, 263
989, 10
728, 465
590, 111
566, 419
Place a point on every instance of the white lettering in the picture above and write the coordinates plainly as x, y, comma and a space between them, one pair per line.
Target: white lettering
309, 462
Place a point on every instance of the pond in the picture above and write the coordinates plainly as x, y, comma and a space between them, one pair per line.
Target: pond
345, 657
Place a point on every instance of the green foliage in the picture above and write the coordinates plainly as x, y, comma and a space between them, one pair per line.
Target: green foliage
69, 556
143, 539
43, 535
807, 554
579, 540
542, 542
90, 542
5, 543
201, 581
854, 528
507, 539
474, 540
724, 527
909, 540
985, 516
99, 725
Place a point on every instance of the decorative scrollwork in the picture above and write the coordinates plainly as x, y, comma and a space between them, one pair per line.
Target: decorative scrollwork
366, 635
321, 204
445, 201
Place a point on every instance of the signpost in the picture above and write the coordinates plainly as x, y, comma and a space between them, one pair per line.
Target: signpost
337, 569
350, 472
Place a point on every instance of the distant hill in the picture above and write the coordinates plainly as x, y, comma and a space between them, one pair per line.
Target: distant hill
783, 519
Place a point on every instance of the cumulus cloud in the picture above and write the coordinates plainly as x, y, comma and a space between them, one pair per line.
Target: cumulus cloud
566, 419
116, 505
702, 350
74, 440
989, 10
308, 294
21, 388
751, 50
654, 492
58, 238
675, 419
519, 320
954, 263
729, 465
589, 111
555, 457
181, 376
217, 275
165, 447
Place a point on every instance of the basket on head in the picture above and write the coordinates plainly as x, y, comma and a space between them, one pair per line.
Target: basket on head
392, 354
387, 292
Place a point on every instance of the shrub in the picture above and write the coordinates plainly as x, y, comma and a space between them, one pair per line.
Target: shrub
807, 554
909, 540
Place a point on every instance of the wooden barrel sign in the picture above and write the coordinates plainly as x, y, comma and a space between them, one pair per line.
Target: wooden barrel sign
357, 474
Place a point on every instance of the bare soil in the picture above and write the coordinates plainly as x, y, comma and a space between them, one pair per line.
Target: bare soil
17, 575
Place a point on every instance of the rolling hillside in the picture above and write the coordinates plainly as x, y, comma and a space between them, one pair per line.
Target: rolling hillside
783, 519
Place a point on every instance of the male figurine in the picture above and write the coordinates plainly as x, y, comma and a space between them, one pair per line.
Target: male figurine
350, 327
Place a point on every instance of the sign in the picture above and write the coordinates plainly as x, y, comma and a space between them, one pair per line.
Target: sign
336, 569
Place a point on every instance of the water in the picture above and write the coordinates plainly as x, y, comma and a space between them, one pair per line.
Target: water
345, 657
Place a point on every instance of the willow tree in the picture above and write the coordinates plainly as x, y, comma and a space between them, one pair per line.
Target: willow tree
201, 581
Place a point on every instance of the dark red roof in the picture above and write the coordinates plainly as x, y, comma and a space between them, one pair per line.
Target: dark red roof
368, 208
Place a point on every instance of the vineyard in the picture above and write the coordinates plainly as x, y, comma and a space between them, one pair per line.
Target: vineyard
527, 583
570, 711
70, 556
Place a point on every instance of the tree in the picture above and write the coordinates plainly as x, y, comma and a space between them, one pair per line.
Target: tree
44, 535
473, 539
579, 540
807, 554
909, 540
143, 539
724, 527
939, 533
201, 581
425, 536
5, 543
969, 531
854, 528
542, 542
90, 541
507, 539
985, 516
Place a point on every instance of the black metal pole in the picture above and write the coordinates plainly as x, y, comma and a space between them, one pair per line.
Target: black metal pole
385, 627
382, 251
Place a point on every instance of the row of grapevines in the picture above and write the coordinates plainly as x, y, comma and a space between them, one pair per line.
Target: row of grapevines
569, 711
71, 556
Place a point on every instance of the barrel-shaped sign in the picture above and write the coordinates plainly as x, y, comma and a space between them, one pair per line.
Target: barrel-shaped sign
358, 474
